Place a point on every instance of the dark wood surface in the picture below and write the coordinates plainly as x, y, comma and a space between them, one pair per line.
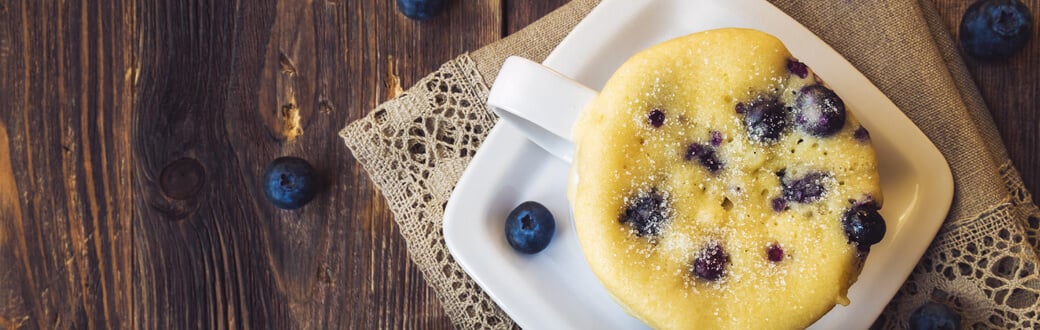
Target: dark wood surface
133, 133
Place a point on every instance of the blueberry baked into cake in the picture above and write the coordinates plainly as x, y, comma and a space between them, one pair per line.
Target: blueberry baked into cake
718, 183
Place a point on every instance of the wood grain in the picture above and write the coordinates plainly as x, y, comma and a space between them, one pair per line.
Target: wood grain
133, 133
218, 81
65, 175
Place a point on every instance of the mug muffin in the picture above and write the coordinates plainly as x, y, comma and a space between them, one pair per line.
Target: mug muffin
719, 183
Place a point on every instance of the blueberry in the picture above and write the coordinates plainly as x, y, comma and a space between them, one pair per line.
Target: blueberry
290, 182
797, 68
861, 134
934, 316
863, 224
530, 227
711, 262
705, 154
775, 253
806, 189
995, 29
765, 120
647, 214
862, 251
819, 111
655, 118
716, 138
420, 9
779, 204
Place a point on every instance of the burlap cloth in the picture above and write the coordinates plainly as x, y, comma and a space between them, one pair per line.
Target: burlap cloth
983, 262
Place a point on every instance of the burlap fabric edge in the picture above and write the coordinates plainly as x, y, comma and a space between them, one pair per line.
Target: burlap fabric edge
415, 148
983, 263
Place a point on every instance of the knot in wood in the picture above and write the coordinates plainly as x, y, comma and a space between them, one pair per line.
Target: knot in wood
182, 178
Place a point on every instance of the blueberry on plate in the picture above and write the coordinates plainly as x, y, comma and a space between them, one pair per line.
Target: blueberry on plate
995, 29
934, 316
290, 182
530, 227
420, 9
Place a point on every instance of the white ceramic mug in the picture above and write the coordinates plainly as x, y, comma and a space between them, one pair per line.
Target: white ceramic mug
541, 102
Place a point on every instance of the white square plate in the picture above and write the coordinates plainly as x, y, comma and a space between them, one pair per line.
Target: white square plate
555, 289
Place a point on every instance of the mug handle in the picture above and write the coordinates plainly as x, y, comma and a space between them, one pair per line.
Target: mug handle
541, 102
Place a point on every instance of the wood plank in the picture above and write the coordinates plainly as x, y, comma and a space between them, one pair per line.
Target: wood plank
217, 80
520, 13
1011, 89
64, 163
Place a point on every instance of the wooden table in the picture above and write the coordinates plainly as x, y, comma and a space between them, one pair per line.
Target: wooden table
133, 133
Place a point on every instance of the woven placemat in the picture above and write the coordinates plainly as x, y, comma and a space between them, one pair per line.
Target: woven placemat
984, 261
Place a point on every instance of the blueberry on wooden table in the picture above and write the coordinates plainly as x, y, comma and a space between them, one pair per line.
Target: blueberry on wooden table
530, 227
290, 182
995, 29
420, 9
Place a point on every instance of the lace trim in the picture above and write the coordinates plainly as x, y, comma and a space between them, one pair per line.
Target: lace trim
986, 269
415, 147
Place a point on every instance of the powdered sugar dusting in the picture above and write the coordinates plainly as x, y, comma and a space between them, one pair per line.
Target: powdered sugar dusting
673, 206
